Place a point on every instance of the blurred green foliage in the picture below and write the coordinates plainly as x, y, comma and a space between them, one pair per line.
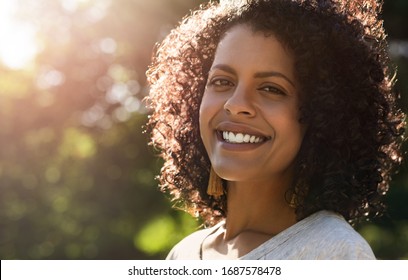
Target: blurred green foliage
76, 175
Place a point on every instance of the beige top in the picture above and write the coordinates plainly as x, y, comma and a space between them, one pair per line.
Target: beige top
323, 235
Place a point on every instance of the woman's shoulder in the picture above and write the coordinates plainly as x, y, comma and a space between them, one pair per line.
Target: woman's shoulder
335, 238
189, 248
322, 235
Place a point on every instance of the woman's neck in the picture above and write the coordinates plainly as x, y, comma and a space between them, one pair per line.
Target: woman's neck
259, 208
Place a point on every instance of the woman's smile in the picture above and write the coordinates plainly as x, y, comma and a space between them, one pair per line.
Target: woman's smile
233, 136
249, 112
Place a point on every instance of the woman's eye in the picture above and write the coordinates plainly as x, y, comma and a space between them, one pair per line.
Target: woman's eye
272, 89
221, 83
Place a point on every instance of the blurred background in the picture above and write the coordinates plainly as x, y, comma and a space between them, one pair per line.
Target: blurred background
76, 175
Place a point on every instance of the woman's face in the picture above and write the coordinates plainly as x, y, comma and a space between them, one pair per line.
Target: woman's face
250, 109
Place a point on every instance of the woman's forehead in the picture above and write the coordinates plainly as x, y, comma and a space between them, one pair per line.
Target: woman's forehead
241, 44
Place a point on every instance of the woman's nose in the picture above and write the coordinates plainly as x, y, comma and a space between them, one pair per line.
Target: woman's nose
240, 103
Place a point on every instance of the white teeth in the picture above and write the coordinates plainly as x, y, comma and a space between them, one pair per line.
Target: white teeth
231, 137
240, 137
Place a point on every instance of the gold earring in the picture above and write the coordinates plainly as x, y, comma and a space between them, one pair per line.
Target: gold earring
292, 203
215, 188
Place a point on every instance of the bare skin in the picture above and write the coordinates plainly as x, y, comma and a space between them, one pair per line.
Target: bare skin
248, 226
251, 92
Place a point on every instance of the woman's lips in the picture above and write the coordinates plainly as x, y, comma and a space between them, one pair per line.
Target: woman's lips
240, 134
239, 137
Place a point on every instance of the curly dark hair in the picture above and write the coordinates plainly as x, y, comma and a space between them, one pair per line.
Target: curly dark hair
355, 128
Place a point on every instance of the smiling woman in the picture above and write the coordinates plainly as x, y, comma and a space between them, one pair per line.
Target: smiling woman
249, 102
278, 124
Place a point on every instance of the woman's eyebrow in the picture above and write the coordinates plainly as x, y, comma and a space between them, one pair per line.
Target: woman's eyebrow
224, 67
266, 74
274, 74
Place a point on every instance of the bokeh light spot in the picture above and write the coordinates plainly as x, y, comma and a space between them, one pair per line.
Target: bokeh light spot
156, 236
52, 174
108, 45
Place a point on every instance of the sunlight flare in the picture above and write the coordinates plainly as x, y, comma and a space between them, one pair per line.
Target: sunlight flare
18, 39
